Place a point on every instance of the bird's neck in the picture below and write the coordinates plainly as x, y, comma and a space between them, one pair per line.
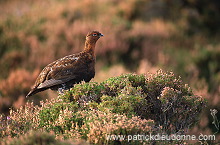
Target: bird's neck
90, 47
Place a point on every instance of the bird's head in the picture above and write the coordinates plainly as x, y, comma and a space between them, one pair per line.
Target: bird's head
93, 36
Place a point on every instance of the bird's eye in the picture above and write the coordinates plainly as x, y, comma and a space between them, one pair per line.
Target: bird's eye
94, 34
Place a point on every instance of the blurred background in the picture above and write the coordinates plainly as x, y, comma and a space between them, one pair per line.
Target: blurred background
141, 36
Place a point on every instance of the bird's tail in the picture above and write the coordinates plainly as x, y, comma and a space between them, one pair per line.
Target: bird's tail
34, 91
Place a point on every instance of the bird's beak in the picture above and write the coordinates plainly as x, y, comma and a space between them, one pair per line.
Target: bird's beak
101, 35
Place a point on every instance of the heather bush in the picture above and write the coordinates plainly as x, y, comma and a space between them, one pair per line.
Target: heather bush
19, 121
126, 105
39, 138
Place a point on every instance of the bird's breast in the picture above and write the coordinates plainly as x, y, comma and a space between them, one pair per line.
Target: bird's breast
84, 68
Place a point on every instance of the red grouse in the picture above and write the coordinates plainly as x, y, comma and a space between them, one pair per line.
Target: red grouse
64, 72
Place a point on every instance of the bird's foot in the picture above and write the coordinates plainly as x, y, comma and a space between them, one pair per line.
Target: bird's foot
61, 91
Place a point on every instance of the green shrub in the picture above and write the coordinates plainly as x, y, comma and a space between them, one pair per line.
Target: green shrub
126, 105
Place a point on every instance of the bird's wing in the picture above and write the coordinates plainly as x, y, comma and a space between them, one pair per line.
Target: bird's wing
58, 72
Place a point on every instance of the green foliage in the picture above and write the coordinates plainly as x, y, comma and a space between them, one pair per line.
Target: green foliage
91, 91
114, 85
122, 104
53, 112
126, 105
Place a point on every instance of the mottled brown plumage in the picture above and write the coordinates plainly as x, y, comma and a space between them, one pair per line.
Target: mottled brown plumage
69, 70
